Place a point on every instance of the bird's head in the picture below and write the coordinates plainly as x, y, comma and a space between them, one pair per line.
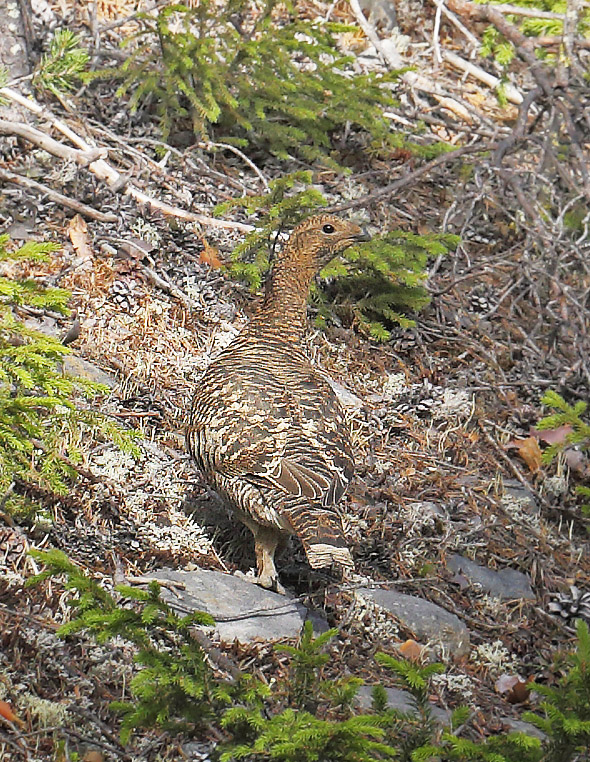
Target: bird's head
318, 239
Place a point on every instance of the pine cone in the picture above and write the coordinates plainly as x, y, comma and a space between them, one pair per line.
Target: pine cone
572, 605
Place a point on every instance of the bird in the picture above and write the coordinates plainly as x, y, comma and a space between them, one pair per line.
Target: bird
265, 426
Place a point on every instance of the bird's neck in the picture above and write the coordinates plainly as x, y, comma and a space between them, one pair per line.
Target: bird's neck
284, 311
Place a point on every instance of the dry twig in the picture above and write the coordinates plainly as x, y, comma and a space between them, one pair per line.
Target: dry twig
412, 177
103, 170
26, 182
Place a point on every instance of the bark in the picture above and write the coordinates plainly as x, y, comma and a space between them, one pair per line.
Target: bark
15, 37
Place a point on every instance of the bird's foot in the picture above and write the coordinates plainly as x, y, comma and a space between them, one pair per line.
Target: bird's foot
271, 583
263, 580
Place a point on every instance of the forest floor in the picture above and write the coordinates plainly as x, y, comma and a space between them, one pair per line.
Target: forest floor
447, 456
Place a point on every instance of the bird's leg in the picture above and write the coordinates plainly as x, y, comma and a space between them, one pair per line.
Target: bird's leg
266, 541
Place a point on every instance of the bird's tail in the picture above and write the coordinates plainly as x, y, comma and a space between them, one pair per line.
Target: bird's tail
321, 535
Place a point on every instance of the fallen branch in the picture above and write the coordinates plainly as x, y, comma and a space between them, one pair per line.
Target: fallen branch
47, 143
101, 168
458, 23
548, 41
519, 10
411, 177
525, 47
394, 61
519, 128
512, 94
86, 211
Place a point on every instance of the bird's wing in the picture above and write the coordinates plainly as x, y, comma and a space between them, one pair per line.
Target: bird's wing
268, 436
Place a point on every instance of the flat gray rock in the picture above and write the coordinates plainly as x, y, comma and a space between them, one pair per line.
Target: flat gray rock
426, 620
401, 700
514, 490
78, 366
242, 610
505, 583
520, 726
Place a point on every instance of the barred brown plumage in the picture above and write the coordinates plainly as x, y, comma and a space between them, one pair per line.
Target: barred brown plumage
266, 428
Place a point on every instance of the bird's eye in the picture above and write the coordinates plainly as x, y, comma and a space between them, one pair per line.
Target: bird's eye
328, 228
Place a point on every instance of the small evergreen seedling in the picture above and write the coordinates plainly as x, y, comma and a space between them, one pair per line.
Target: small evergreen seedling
302, 731
566, 706
573, 416
306, 660
376, 283
253, 74
39, 422
175, 688
64, 66
305, 717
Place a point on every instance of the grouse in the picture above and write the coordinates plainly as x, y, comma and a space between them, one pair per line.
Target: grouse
266, 429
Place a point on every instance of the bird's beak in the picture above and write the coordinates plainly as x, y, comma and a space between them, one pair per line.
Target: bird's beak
362, 237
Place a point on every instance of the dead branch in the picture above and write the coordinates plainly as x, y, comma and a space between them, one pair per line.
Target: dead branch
411, 78
548, 41
519, 128
519, 10
457, 22
524, 46
512, 94
47, 143
103, 170
412, 177
26, 182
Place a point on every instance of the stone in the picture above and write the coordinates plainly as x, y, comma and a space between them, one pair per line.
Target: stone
428, 621
242, 610
520, 726
71, 364
517, 491
78, 366
505, 583
401, 700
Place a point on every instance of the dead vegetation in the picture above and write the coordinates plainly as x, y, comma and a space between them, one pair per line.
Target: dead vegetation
439, 413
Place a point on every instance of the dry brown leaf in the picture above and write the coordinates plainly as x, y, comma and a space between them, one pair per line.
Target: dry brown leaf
210, 255
411, 650
529, 451
78, 232
8, 714
93, 756
552, 436
514, 689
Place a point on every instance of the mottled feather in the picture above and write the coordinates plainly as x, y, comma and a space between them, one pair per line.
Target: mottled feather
266, 428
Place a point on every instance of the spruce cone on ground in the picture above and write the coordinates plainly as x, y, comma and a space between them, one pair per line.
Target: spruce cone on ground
266, 429
575, 605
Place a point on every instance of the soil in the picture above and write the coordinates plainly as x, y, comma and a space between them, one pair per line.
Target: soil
443, 410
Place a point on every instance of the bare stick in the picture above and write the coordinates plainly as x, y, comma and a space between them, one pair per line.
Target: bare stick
411, 177
519, 128
458, 23
47, 143
512, 94
103, 170
524, 46
410, 78
436, 31
518, 10
228, 147
548, 41
25, 182
39, 110
394, 61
